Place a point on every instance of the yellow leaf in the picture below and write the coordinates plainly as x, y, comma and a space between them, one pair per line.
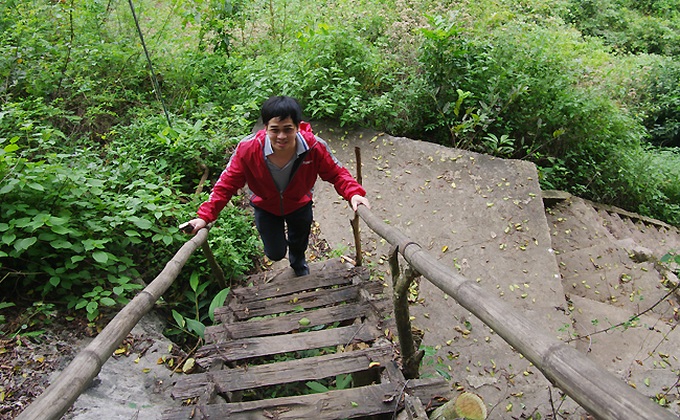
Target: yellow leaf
120, 350
188, 365
373, 364
508, 407
445, 248
146, 370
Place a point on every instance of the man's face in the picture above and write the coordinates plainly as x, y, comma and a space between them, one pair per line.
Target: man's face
282, 134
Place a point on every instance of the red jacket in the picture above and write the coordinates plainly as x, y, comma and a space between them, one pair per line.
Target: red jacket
247, 166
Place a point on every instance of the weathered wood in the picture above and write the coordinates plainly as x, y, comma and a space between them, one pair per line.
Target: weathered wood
356, 231
332, 276
286, 274
287, 323
401, 285
349, 403
63, 392
248, 348
312, 368
215, 268
593, 387
302, 300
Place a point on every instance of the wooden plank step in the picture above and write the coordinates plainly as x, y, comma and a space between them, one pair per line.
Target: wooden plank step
287, 274
291, 322
348, 403
248, 348
282, 285
311, 368
304, 300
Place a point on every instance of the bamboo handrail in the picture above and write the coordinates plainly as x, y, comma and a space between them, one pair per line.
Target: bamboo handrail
64, 391
594, 388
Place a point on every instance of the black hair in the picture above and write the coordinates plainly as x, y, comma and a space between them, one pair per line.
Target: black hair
281, 107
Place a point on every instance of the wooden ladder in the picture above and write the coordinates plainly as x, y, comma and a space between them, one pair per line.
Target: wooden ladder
283, 331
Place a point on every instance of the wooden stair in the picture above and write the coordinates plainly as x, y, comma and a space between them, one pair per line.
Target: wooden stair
283, 331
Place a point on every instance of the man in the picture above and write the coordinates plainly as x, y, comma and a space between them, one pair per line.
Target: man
280, 164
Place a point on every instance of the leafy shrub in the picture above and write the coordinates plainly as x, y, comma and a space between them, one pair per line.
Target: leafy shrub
629, 26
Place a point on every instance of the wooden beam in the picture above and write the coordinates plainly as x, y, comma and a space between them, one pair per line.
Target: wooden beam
288, 323
248, 348
348, 403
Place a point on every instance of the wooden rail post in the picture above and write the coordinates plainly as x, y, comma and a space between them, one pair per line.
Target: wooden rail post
214, 266
355, 221
65, 390
402, 316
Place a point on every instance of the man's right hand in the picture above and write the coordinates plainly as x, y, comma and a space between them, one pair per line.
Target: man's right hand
193, 226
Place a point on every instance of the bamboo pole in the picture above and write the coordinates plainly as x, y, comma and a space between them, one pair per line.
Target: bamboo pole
63, 392
597, 390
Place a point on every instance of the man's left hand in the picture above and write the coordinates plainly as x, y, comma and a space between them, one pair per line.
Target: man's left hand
356, 200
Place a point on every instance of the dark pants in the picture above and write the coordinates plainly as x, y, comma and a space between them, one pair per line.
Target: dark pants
273, 234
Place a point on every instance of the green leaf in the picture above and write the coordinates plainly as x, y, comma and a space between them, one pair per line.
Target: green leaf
141, 223
22, 222
101, 257
61, 244
196, 326
218, 301
193, 281
54, 281
316, 387
24, 244
81, 304
179, 319
9, 187
131, 232
8, 238
92, 307
77, 258
36, 186
343, 381
60, 230
107, 301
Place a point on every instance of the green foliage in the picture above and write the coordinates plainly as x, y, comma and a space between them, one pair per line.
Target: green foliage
434, 362
93, 181
343, 381
198, 295
630, 26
